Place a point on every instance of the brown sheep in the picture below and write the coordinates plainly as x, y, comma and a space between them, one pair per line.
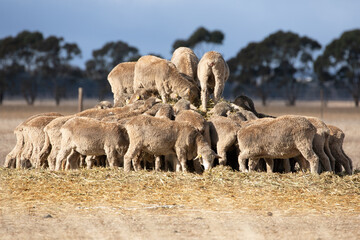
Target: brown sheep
86, 136
284, 137
121, 79
162, 137
186, 62
157, 74
213, 72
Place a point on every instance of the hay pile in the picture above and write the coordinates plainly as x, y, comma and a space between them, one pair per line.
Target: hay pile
220, 188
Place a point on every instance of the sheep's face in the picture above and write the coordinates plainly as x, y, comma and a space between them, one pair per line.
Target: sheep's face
206, 158
191, 94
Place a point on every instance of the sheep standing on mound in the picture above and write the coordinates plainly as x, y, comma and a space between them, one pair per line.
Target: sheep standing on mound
283, 137
186, 62
213, 72
157, 74
159, 136
121, 79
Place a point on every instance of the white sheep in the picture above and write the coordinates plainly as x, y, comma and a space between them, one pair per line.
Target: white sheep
213, 72
159, 136
283, 137
91, 137
186, 62
121, 79
157, 74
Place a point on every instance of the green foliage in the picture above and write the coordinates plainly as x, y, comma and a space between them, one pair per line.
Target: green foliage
201, 35
274, 60
341, 62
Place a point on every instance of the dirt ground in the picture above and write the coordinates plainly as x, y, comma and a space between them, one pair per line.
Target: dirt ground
24, 219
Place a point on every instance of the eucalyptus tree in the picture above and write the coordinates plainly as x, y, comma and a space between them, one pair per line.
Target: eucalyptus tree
105, 59
201, 41
274, 61
340, 62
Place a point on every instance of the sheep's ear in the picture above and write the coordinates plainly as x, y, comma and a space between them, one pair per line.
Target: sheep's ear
137, 97
197, 157
217, 155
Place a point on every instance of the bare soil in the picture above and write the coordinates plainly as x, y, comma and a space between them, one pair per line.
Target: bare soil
27, 212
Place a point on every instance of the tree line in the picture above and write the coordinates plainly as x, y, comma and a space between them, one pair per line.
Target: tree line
31, 64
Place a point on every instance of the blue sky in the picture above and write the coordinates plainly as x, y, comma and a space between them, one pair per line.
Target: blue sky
153, 25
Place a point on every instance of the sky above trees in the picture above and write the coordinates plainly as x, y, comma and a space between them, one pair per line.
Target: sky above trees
152, 26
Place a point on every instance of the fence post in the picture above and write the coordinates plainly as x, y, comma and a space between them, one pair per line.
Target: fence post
80, 100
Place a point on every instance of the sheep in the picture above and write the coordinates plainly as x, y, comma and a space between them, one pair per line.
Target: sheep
162, 137
103, 105
213, 72
157, 74
121, 79
186, 62
198, 122
11, 158
336, 141
223, 133
87, 136
34, 139
283, 137
247, 104
140, 106
52, 142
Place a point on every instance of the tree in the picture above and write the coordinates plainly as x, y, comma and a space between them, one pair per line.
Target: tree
274, 61
341, 62
54, 65
105, 59
199, 39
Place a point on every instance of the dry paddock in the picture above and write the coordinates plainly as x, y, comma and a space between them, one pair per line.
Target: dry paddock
110, 204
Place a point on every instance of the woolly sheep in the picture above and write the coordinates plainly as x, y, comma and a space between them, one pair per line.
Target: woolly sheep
213, 72
87, 136
186, 62
162, 137
121, 79
283, 137
157, 74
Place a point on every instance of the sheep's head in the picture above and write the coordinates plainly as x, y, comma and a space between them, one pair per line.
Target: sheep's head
191, 94
206, 157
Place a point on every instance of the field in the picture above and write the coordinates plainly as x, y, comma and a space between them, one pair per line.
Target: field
220, 204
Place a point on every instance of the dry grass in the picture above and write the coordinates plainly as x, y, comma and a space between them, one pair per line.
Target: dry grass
220, 188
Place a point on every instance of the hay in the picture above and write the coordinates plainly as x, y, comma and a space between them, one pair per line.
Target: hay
218, 189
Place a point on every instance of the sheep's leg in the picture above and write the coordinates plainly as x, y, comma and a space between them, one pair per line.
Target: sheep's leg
136, 161
308, 153
111, 155
89, 162
329, 154
252, 164
157, 163
60, 159
73, 160
348, 159
52, 158
287, 167
131, 153
180, 153
25, 156
318, 147
242, 161
269, 165
340, 158
221, 151
219, 87
204, 94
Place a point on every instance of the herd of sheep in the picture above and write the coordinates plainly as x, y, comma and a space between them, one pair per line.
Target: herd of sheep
170, 132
